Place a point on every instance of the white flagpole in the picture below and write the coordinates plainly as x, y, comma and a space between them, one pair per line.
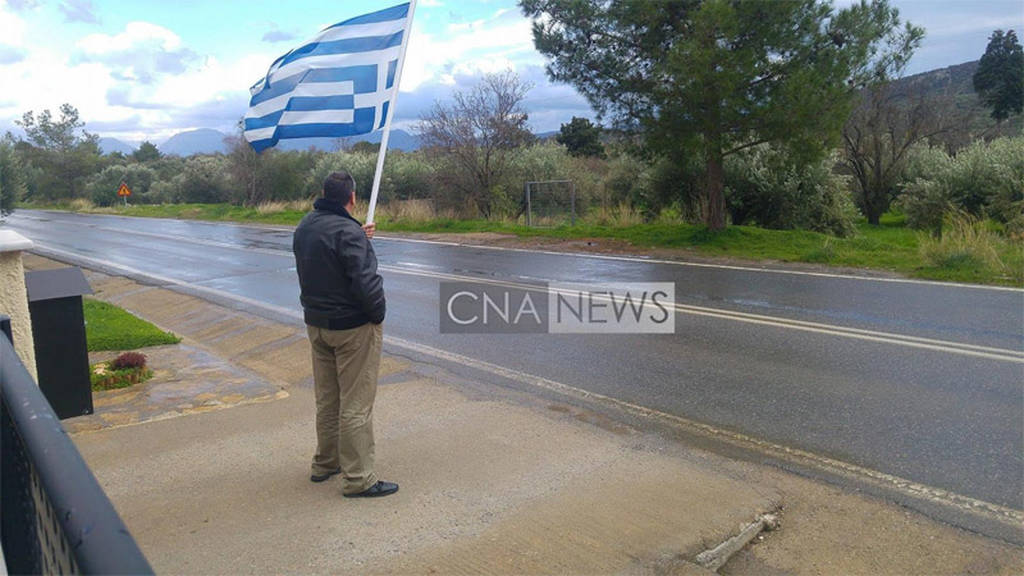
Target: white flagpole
391, 112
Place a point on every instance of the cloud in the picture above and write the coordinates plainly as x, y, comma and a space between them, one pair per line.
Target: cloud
142, 53
13, 29
502, 41
276, 35
22, 5
78, 11
11, 55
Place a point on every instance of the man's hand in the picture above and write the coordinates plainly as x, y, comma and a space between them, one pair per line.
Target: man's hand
370, 229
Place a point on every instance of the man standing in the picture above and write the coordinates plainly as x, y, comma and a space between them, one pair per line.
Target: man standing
343, 303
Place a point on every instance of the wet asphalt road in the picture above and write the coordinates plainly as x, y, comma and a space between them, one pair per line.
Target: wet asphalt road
928, 413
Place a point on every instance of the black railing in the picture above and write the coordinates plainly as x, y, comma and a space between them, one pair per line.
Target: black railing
54, 517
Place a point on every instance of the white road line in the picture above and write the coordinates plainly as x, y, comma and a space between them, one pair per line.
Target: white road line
642, 260
901, 485
990, 353
632, 259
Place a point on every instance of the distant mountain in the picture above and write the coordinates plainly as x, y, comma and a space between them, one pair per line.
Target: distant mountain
202, 141
111, 145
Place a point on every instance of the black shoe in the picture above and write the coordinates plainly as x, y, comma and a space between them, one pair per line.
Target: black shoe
379, 489
325, 475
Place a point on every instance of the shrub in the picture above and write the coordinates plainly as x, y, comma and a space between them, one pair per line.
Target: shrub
984, 179
204, 180
361, 165
101, 188
764, 187
129, 360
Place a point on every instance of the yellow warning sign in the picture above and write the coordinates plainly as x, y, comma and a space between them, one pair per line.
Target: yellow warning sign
124, 190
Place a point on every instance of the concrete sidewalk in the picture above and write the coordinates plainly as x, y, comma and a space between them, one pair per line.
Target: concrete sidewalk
492, 481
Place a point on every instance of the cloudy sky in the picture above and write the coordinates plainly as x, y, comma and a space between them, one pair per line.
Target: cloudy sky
147, 69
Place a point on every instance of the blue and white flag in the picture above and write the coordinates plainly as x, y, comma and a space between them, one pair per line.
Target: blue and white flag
338, 84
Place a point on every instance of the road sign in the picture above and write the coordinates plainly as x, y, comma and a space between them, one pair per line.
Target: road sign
124, 190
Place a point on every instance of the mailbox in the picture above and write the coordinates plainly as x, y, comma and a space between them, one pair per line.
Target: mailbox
58, 332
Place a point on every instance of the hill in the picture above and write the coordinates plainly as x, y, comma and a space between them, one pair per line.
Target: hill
111, 145
202, 141
957, 82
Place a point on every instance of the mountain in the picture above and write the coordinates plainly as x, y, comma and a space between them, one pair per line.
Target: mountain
111, 145
202, 141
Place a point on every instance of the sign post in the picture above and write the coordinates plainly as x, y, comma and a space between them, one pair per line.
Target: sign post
124, 192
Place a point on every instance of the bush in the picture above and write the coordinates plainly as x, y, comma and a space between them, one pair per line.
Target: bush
764, 187
129, 360
101, 188
204, 180
983, 180
549, 161
361, 165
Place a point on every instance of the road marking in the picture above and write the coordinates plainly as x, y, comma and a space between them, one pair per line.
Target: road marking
987, 352
838, 467
947, 346
902, 485
632, 259
643, 260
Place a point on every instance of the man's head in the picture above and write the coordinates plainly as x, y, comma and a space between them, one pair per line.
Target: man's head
340, 187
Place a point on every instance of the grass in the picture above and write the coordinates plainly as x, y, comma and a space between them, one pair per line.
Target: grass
108, 327
101, 377
889, 246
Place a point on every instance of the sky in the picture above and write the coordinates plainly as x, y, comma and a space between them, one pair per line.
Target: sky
147, 69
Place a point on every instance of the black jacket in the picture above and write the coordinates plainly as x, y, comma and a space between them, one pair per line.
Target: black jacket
337, 270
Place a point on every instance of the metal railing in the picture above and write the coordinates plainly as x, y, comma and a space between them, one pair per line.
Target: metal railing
54, 517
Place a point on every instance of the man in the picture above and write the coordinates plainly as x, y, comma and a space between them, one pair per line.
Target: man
343, 303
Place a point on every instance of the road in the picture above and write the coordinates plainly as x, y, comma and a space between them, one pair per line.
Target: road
922, 381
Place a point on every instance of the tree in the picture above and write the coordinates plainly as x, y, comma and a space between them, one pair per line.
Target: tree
476, 133
999, 79
581, 138
12, 177
146, 152
247, 168
711, 78
63, 156
887, 123
364, 147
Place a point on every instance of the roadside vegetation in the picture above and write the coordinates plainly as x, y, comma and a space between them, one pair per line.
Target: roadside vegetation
108, 327
126, 370
838, 159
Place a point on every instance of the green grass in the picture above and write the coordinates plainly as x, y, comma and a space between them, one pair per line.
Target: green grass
889, 246
115, 379
108, 327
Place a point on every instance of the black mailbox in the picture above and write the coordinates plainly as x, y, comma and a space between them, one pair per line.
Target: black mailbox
58, 332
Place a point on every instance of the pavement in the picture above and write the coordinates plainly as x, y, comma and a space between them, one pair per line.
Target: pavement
493, 479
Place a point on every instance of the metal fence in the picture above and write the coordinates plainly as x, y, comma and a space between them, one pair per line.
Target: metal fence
544, 206
55, 518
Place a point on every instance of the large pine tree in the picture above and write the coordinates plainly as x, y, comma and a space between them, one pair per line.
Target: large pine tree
999, 79
712, 77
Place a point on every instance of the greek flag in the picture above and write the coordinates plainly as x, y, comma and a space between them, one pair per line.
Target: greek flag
338, 84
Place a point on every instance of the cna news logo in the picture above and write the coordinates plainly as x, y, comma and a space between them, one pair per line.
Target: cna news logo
618, 308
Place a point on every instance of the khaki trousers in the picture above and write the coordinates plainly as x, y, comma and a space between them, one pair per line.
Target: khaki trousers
345, 365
